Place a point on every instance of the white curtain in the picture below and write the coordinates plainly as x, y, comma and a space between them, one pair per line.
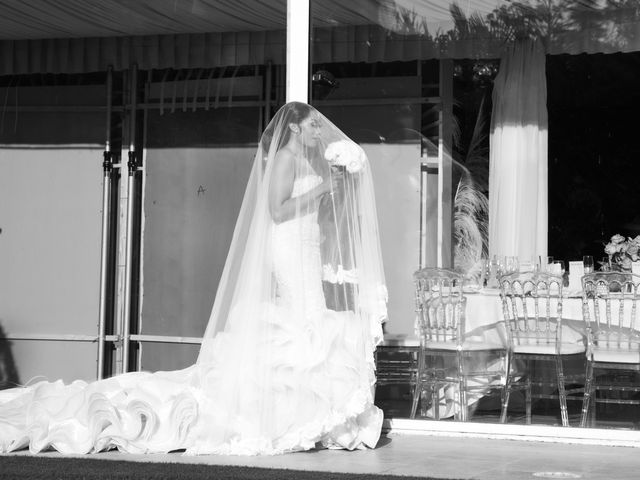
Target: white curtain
518, 158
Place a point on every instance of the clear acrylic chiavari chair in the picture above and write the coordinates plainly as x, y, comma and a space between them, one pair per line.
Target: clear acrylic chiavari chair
446, 358
610, 311
532, 311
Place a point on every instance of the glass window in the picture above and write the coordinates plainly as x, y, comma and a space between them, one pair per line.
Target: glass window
429, 91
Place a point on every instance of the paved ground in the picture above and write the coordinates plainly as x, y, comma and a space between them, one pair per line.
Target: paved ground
442, 457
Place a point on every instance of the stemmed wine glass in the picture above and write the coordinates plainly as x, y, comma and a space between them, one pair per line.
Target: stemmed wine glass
587, 261
496, 269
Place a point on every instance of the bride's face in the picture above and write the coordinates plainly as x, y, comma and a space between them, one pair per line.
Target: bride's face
311, 130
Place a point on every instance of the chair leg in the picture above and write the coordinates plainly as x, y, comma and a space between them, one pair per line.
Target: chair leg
417, 391
527, 396
463, 401
564, 415
588, 402
462, 397
507, 388
435, 400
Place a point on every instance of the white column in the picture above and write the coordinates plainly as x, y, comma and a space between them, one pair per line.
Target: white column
298, 51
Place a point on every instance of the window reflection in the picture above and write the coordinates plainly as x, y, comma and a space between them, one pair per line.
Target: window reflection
413, 83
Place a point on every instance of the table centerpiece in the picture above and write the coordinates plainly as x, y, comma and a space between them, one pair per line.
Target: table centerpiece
623, 252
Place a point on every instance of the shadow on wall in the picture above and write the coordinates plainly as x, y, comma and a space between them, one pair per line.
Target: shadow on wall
8, 372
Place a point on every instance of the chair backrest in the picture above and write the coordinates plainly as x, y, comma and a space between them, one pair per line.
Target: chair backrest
440, 306
610, 309
532, 307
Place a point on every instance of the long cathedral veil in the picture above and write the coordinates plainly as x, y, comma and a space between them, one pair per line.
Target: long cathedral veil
287, 358
303, 285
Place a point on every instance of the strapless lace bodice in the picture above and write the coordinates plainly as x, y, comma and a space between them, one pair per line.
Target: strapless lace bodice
304, 184
296, 258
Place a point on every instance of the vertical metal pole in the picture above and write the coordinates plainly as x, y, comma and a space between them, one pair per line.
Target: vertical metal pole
423, 215
267, 103
440, 240
422, 246
132, 167
143, 153
261, 97
107, 166
445, 148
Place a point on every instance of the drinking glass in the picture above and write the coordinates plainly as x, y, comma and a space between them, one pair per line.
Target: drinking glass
538, 263
558, 267
496, 269
497, 265
549, 264
530, 264
511, 264
485, 272
587, 261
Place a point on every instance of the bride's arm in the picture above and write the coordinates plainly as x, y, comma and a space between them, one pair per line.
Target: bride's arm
281, 206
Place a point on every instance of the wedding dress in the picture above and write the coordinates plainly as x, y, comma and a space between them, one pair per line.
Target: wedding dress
279, 370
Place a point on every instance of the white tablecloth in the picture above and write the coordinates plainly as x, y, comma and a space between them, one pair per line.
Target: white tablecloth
484, 317
484, 320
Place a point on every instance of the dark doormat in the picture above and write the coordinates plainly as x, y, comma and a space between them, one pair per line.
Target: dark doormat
37, 467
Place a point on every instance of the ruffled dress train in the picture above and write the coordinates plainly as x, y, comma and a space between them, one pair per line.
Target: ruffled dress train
307, 382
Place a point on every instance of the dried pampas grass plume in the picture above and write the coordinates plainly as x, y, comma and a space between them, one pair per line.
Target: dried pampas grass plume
470, 226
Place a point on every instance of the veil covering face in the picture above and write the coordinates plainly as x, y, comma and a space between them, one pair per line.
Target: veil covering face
287, 357
349, 240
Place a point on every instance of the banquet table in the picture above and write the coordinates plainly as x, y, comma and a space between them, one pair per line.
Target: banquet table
484, 322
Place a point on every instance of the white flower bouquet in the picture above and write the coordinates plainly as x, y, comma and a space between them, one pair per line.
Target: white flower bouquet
623, 252
347, 154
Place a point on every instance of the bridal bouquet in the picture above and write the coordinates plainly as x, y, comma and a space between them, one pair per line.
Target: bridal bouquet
345, 153
622, 252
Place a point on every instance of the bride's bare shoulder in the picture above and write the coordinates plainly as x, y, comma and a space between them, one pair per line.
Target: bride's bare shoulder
284, 160
285, 155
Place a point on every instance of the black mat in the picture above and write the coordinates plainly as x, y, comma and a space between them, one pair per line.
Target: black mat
39, 467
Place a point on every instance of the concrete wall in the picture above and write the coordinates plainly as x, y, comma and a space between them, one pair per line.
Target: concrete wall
50, 221
50, 215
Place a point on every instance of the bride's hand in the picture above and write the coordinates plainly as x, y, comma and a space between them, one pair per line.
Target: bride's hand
334, 182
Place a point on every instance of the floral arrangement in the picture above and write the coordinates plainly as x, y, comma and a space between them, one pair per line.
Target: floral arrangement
622, 252
347, 154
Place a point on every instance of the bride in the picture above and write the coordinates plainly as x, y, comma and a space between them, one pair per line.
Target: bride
286, 362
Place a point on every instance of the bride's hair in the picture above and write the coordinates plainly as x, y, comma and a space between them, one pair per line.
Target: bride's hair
295, 114
298, 112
